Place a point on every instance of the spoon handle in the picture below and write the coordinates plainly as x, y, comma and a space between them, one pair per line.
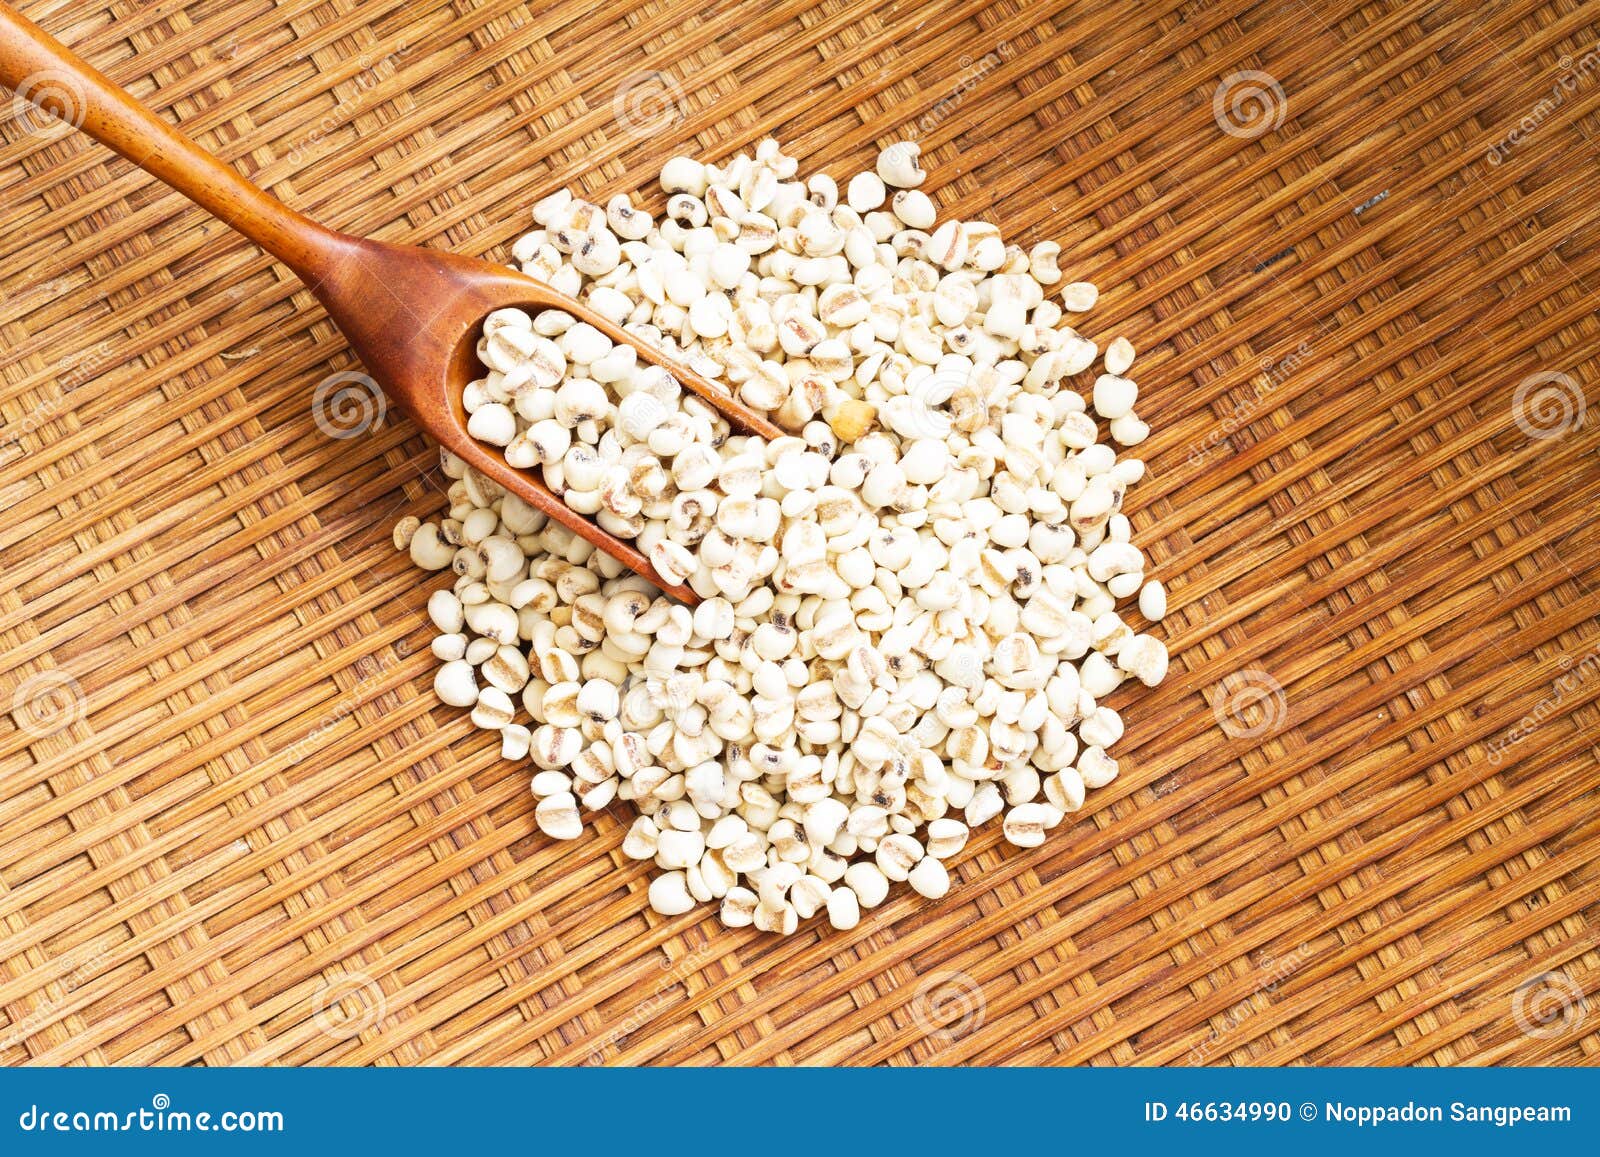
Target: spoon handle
43, 70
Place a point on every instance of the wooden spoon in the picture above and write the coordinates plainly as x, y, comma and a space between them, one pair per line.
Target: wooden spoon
411, 314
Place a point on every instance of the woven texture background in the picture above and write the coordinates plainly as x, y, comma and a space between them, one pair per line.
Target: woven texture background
1358, 822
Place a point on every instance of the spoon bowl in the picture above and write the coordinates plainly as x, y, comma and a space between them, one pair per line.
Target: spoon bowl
378, 294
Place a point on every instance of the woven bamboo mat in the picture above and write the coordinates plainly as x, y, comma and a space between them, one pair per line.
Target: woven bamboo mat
1356, 246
